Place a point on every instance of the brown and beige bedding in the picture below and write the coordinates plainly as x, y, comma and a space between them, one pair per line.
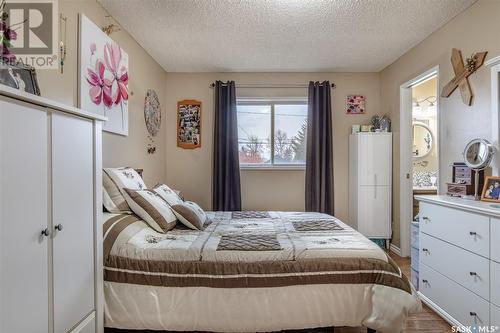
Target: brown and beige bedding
250, 271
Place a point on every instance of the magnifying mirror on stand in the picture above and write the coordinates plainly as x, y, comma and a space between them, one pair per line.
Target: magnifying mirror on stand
478, 155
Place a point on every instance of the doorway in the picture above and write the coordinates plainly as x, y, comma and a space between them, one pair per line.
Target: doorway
419, 149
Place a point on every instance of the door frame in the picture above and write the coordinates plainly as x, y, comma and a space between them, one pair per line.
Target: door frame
405, 151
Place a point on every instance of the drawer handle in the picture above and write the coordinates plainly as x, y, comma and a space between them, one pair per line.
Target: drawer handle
473, 274
473, 233
425, 281
425, 218
425, 250
473, 314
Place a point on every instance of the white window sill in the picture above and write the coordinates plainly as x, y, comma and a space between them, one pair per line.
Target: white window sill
273, 167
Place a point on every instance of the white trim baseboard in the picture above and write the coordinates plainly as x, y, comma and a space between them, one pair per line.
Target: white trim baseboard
434, 307
395, 249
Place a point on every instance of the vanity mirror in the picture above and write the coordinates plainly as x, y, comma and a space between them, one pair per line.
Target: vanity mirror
478, 155
422, 140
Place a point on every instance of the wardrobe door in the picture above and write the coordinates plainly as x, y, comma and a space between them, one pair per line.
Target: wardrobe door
23, 217
375, 159
374, 215
72, 193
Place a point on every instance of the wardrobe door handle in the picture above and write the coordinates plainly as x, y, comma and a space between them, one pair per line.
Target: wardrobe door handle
45, 232
59, 227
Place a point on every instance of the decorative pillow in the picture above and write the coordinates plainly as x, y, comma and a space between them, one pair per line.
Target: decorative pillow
169, 195
150, 207
113, 181
190, 214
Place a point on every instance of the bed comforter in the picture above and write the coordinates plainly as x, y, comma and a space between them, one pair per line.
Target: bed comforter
250, 272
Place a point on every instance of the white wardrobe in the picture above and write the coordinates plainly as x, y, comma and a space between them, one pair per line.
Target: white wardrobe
50, 212
370, 183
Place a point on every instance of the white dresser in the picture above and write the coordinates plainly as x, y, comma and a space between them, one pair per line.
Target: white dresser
460, 259
50, 212
370, 179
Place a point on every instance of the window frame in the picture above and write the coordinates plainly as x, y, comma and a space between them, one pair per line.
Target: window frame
271, 102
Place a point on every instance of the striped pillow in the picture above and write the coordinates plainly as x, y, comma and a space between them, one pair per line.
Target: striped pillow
113, 182
190, 214
150, 207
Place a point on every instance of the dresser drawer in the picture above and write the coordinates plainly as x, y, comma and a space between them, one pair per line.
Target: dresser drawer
495, 282
463, 305
495, 240
465, 268
495, 316
464, 229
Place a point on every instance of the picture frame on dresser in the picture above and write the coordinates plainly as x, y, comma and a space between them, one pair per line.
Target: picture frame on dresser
19, 76
491, 189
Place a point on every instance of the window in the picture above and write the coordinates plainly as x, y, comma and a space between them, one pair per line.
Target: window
272, 133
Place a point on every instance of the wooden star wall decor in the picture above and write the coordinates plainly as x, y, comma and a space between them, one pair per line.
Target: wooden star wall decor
462, 72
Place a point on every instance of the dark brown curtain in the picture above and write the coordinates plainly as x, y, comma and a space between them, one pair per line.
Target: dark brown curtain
319, 160
226, 189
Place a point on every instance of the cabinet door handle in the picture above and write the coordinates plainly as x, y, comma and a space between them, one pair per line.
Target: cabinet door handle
425, 281
59, 227
473, 233
473, 273
473, 314
45, 232
425, 250
425, 218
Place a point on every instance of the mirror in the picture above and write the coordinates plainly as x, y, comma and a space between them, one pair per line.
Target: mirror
478, 154
422, 140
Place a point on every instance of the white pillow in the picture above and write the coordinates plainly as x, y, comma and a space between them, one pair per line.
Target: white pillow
190, 214
150, 207
169, 195
126, 178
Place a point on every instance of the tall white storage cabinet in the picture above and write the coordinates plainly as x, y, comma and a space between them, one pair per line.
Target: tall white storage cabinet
370, 183
50, 212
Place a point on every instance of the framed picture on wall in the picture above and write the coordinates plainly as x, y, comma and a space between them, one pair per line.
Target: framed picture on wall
103, 77
355, 104
189, 124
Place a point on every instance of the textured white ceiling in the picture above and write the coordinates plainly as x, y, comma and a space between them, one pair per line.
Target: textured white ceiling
280, 35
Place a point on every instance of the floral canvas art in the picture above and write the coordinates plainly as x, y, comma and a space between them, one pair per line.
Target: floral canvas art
103, 81
355, 104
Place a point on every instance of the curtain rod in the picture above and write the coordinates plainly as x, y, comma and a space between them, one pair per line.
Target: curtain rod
271, 85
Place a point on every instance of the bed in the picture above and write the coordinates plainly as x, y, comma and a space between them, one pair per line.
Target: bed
250, 272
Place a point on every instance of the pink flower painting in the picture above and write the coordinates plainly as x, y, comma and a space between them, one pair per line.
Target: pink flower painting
99, 86
103, 77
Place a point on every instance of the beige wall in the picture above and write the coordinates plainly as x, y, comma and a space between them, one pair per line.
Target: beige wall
190, 170
476, 29
144, 73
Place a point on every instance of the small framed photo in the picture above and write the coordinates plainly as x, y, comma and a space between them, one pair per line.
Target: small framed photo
355, 104
19, 76
491, 189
